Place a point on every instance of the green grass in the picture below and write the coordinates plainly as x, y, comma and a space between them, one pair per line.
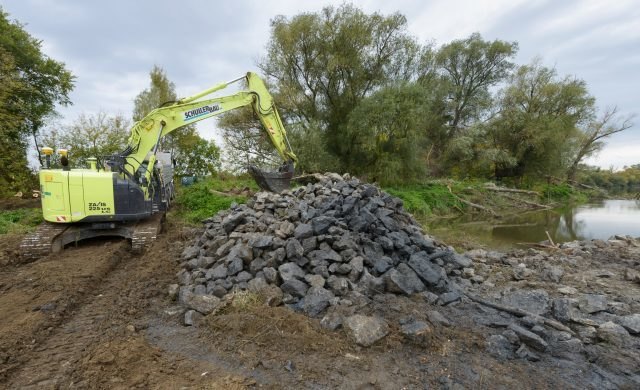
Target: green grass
19, 220
426, 199
197, 202
563, 193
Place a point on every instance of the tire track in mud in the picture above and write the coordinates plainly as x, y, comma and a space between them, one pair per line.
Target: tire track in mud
41, 346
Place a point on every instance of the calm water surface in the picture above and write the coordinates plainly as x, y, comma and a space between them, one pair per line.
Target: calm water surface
600, 220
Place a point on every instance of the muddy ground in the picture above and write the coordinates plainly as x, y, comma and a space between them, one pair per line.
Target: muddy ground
96, 316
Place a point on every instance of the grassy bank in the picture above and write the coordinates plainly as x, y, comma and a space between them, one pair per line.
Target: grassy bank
206, 197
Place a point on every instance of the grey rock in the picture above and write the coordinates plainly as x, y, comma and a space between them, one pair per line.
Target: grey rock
499, 347
525, 353
290, 271
173, 291
243, 276
331, 321
219, 272
309, 244
218, 291
294, 249
592, 303
314, 280
190, 252
553, 274
322, 224
294, 287
303, 231
457, 260
261, 241
529, 338
235, 266
429, 297
565, 309
316, 300
521, 272
511, 336
364, 330
192, 318
437, 319
370, 285
270, 275
339, 286
613, 333
231, 221
225, 248
382, 264
403, 280
257, 285
449, 297
533, 301
200, 289
631, 323
430, 273
205, 304
416, 331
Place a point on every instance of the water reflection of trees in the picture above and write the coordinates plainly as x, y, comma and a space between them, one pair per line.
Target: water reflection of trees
532, 227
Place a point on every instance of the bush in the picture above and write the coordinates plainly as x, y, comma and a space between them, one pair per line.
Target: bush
426, 199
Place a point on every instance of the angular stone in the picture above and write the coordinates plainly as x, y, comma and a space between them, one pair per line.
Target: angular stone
331, 321
430, 273
231, 221
192, 318
314, 280
205, 304
437, 319
294, 287
553, 274
533, 301
416, 331
219, 272
243, 276
592, 303
365, 331
403, 280
613, 333
235, 266
290, 271
303, 231
309, 244
322, 224
316, 300
270, 275
631, 323
261, 241
339, 286
525, 353
294, 249
449, 297
499, 347
531, 339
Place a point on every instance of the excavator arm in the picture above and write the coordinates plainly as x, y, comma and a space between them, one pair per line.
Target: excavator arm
147, 133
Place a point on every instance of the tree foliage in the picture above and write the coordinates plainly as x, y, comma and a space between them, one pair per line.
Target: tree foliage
96, 135
325, 63
193, 154
31, 86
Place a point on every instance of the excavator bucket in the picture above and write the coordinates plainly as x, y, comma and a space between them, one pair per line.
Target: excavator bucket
273, 181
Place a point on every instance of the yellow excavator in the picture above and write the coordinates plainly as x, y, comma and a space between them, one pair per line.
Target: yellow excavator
127, 194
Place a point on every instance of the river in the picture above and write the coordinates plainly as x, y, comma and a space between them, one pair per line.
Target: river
598, 219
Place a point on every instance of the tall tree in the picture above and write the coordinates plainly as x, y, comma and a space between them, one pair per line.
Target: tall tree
539, 118
45, 83
592, 135
325, 63
181, 142
472, 66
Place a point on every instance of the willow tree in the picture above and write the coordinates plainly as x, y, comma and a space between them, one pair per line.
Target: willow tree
324, 64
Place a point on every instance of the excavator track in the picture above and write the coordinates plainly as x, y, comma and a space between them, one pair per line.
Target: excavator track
145, 233
52, 238
39, 243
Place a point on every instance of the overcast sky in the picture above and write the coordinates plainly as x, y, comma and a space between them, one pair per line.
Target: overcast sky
110, 46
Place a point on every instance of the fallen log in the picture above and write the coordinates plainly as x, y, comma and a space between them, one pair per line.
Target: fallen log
534, 204
493, 187
521, 313
471, 204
